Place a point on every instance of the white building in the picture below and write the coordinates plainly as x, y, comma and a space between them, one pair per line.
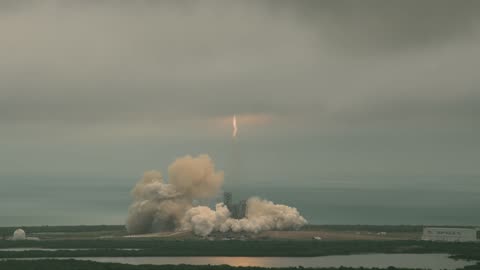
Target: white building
19, 234
449, 234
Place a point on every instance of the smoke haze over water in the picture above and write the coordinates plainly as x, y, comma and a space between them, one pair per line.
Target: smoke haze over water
161, 206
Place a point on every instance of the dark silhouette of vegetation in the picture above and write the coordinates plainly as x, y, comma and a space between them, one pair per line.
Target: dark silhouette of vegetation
88, 265
155, 247
472, 267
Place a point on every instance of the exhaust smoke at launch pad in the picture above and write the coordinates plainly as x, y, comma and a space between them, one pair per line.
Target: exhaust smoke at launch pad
161, 206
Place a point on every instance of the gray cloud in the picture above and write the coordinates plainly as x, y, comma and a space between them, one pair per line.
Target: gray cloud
375, 25
77, 65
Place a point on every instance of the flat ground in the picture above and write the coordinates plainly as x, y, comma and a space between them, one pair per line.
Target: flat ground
113, 241
310, 232
339, 235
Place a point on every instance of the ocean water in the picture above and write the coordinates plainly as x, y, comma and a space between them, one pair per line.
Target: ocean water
83, 200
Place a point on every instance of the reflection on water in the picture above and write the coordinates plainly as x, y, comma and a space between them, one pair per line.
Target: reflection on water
424, 261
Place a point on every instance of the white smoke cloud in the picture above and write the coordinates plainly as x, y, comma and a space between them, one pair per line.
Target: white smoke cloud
195, 177
265, 215
160, 206
201, 220
262, 215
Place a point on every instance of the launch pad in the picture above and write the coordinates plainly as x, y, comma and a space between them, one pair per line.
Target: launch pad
237, 210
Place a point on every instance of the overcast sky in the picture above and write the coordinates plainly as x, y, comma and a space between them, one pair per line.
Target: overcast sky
321, 89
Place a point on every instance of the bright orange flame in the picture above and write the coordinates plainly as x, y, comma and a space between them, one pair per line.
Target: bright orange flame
234, 126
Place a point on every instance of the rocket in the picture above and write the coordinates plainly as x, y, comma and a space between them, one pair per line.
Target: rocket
234, 122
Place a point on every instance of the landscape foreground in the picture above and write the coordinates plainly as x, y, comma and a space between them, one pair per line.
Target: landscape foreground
67, 242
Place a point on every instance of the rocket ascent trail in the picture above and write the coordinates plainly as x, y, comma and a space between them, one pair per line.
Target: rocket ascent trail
235, 129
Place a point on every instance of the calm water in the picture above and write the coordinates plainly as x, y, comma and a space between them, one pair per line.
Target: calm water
424, 261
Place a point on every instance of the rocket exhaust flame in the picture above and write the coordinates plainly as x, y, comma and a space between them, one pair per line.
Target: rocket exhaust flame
235, 129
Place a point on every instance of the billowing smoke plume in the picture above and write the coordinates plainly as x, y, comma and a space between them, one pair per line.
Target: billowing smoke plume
261, 215
161, 206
